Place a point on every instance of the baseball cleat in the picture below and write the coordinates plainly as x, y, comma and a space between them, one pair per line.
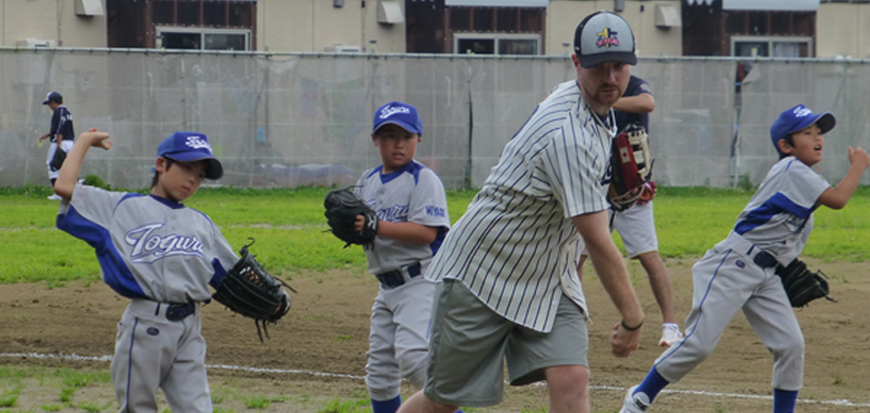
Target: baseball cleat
670, 335
634, 403
54, 197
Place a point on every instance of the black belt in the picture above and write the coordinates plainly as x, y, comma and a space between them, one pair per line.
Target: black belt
764, 260
395, 278
178, 312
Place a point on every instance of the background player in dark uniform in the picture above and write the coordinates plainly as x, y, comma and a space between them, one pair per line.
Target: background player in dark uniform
636, 225
61, 133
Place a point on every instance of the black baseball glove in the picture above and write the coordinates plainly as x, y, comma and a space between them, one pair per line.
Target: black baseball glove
57, 159
252, 292
631, 167
801, 285
342, 209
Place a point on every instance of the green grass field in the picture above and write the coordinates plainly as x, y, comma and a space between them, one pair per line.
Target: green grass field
289, 227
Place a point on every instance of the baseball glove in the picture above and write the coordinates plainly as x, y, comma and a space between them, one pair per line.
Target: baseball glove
631, 167
57, 159
801, 285
252, 292
342, 208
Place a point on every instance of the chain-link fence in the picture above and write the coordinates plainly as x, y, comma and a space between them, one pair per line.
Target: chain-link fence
305, 119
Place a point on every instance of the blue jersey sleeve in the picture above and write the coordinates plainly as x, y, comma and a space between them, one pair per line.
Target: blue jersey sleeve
636, 86
65, 128
223, 256
55, 123
803, 187
428, 201
88, 217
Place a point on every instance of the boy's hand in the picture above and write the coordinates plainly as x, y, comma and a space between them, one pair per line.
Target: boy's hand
43, 137
359, 223
837, 197
859, 157
96, 139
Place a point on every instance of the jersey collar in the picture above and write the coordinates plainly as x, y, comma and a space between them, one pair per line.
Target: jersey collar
395, 174
166, 201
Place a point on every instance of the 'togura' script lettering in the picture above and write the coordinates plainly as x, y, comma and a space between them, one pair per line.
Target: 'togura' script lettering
149, 247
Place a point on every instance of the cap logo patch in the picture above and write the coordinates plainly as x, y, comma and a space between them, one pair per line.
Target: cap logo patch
196, 142
390, 111
802, 112
607, 38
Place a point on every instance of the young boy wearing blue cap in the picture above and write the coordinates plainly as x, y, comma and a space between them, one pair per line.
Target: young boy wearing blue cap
411, 205
162, 256
738, 273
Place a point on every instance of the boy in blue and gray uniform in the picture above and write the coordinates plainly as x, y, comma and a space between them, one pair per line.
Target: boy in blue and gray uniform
61, 133
162, 256
738, 273
411, 205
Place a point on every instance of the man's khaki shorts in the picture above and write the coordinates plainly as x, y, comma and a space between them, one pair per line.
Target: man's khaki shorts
469, 344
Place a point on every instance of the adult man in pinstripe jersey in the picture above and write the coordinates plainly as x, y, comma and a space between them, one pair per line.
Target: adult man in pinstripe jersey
508, 285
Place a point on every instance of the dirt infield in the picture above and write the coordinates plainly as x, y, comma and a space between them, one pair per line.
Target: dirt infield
327, 328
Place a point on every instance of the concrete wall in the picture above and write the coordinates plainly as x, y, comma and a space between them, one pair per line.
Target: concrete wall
50, 20
563, 16
314, 25
842, 30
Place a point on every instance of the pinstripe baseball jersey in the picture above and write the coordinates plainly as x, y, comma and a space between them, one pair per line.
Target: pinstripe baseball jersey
149, 247
779, 217
515, 247
411, 194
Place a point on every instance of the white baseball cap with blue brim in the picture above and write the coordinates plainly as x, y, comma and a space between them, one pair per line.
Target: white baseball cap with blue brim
604, 37
188, 147
796, 118
398, 113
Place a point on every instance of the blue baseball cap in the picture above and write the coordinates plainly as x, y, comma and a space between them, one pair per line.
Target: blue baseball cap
191, 146
52, 97
398, 113
797, 118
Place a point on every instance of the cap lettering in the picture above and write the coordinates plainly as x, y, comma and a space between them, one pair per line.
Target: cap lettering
392, 110
196, 142
802, 112
607, 38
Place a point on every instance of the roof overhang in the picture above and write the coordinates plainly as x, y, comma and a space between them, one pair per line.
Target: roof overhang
762, 5
498, 3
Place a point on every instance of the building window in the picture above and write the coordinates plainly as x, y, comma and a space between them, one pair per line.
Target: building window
501, 19
497, 43
202, 13
771, 46
203, 39
496, 30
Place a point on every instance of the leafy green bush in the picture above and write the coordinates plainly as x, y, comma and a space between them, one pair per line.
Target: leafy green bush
96, 181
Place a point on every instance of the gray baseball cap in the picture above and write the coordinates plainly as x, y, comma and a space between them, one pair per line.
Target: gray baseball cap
604, 37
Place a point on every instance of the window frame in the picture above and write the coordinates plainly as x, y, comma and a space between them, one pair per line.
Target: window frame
497, 37
203, 32
770, 40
